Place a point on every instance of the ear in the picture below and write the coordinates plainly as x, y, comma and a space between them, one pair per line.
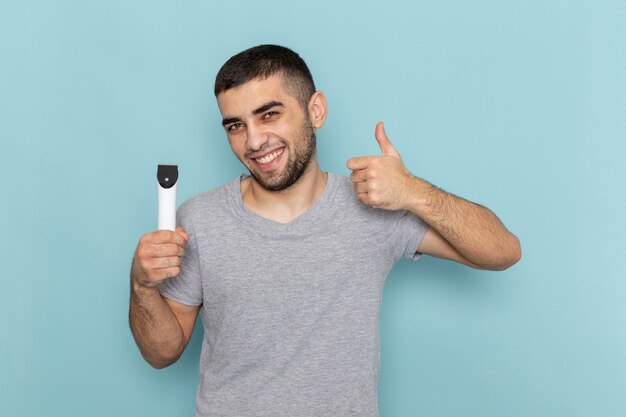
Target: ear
317, 109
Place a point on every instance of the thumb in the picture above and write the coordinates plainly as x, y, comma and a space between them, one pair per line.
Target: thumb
182, 232
386, 147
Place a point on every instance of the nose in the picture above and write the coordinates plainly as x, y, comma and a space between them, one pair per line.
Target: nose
257, 137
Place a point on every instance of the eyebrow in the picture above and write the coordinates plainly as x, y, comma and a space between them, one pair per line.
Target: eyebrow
265, 107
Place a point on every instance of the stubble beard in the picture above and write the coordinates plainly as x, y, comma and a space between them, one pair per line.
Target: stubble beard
299, 160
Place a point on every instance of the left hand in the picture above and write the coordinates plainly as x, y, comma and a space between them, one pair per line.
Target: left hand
381, 181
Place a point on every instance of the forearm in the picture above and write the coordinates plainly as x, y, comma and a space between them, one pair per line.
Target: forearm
473, 230
157, 333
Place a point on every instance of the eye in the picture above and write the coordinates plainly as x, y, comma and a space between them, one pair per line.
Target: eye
234, 127
270, 114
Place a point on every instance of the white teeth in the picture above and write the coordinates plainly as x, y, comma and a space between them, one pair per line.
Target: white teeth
269, 157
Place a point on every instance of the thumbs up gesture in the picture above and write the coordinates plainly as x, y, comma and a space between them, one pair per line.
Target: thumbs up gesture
382, 181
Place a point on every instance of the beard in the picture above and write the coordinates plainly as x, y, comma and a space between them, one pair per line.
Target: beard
299, 159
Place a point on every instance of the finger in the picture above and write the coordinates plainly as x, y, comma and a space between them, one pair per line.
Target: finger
167, 236
154, 266
159, 275
167, 249
359, 175
360, 187
164, 263
171, 272
358, 163
182, 232
386, 147
364, 198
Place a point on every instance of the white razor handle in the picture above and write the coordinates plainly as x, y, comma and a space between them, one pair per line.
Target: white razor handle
167, 182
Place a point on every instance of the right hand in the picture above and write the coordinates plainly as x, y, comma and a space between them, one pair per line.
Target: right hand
158, 257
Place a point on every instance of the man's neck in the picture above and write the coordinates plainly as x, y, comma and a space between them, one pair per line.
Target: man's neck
286, 205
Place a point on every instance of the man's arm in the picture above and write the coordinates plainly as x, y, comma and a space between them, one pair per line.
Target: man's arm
161, 327
470, 229
460, 230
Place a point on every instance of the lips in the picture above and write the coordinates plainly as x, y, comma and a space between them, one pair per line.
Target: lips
269, 157
269, 160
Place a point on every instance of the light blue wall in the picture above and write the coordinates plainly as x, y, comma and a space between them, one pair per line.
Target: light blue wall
518, 105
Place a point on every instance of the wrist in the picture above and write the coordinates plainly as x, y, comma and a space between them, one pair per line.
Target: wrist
142, 287
142, 295
419, 195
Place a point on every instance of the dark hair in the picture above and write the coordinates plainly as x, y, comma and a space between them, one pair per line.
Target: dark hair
262, 62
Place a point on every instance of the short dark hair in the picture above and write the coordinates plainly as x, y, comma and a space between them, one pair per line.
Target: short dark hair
262, 62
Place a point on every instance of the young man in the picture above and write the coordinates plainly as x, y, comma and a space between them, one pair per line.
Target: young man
288, 263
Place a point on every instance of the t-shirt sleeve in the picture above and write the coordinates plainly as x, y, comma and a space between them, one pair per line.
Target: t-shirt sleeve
187, 287
405, 232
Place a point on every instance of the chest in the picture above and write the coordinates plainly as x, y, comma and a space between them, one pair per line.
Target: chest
250, 274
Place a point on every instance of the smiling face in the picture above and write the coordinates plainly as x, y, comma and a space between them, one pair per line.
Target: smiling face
269, 131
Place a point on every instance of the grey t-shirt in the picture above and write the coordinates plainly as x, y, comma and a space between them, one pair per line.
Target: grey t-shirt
290, 311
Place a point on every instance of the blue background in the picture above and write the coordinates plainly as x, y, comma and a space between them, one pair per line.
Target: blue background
517, 105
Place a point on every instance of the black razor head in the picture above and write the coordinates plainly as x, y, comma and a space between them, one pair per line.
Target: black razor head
167, 175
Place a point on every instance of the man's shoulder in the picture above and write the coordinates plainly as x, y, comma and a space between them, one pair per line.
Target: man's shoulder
343, 184
345, 191
212, 199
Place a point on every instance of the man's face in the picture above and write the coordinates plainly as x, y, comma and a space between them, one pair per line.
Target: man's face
268, 131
